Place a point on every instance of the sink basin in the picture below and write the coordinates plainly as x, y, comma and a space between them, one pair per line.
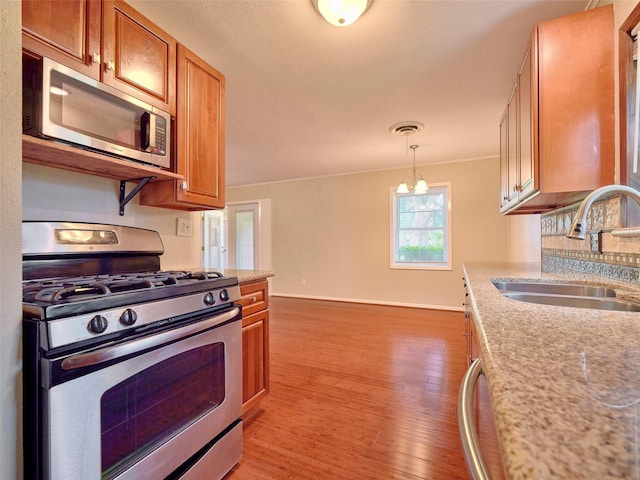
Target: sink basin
573, 289
600, 303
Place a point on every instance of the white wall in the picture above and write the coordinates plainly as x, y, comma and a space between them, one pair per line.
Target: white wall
331, 236
10, 247
524, 238
52, 194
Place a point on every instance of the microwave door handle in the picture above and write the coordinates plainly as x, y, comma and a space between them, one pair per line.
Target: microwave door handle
153, 341
145, 130
152, 131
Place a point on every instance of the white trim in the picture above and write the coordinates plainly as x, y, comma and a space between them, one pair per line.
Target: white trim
371, 302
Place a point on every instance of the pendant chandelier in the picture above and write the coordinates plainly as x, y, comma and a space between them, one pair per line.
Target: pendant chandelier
417, 183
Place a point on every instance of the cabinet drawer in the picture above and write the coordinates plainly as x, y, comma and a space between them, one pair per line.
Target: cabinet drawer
254, 297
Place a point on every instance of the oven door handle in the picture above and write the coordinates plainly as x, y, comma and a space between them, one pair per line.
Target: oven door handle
110, 353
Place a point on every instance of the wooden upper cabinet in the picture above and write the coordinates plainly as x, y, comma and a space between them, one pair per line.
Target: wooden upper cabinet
77, 45
576, 100
115, 44
518, 148
106, 40
139, 58
200, 155
565, 121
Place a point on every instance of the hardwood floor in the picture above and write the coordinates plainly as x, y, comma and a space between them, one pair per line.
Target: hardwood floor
358, 392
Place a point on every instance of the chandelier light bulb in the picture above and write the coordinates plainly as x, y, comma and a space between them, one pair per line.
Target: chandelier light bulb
421, 186
402, 188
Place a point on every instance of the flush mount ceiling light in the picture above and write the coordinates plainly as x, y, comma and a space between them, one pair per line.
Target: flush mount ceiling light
418, 183
341, 12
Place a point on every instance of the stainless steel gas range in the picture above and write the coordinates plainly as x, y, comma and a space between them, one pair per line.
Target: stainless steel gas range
129, 372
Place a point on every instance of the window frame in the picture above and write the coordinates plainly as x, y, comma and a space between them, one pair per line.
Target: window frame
447, 264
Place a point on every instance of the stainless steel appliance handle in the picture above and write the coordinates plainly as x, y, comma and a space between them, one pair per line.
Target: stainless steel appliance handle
468, 432
128, 348
145, 131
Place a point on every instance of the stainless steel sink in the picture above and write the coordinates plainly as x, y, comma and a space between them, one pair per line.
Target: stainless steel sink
574, 289
600, 303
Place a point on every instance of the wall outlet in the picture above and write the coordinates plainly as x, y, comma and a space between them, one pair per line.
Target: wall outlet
183, 228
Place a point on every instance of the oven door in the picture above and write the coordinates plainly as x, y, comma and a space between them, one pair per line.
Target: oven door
141, 409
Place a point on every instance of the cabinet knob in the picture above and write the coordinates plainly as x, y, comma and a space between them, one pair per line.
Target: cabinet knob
253, 299
183, 185
95, 57
111, 65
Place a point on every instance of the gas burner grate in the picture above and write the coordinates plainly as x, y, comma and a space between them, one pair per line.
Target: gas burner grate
73, 289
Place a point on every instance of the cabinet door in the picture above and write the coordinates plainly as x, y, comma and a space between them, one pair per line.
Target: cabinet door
199, 138
513, 143
255, 359
528, 164
200, 125
509, 152
576, 101
504, 159
138, 57
67, 31
473, 341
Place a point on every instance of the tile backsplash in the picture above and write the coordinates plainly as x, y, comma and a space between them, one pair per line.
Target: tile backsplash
618, 259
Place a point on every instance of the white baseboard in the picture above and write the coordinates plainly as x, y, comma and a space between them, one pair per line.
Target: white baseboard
372, 302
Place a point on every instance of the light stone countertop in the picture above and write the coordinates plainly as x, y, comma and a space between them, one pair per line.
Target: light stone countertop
244, 276
565, 382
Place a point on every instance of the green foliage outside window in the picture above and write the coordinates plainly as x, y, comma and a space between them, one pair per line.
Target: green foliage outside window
421, 228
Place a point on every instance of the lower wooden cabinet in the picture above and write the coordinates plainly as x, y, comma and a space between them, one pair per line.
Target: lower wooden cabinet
255, 344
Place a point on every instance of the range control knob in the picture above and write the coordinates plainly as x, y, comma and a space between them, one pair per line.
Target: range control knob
128, 317
98, 324
224, 295
209, 299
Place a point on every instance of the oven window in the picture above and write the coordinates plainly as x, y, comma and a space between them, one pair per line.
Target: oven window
152, 406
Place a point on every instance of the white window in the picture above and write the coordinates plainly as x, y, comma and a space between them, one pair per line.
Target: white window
421, 228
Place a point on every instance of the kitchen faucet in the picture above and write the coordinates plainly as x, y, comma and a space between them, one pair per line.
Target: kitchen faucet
579, 225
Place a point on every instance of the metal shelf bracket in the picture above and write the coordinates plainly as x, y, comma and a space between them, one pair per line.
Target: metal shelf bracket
124, 199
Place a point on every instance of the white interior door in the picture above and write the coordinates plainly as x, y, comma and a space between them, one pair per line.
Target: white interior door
243, 235
213, 240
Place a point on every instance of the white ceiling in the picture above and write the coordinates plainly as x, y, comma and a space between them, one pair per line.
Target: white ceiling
305, 98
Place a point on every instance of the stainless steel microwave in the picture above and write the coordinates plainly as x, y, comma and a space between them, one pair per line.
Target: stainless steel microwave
62, 104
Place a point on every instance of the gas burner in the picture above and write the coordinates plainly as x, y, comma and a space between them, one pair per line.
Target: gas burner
75, 289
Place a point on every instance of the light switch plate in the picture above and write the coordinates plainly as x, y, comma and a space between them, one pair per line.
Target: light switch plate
183, 228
